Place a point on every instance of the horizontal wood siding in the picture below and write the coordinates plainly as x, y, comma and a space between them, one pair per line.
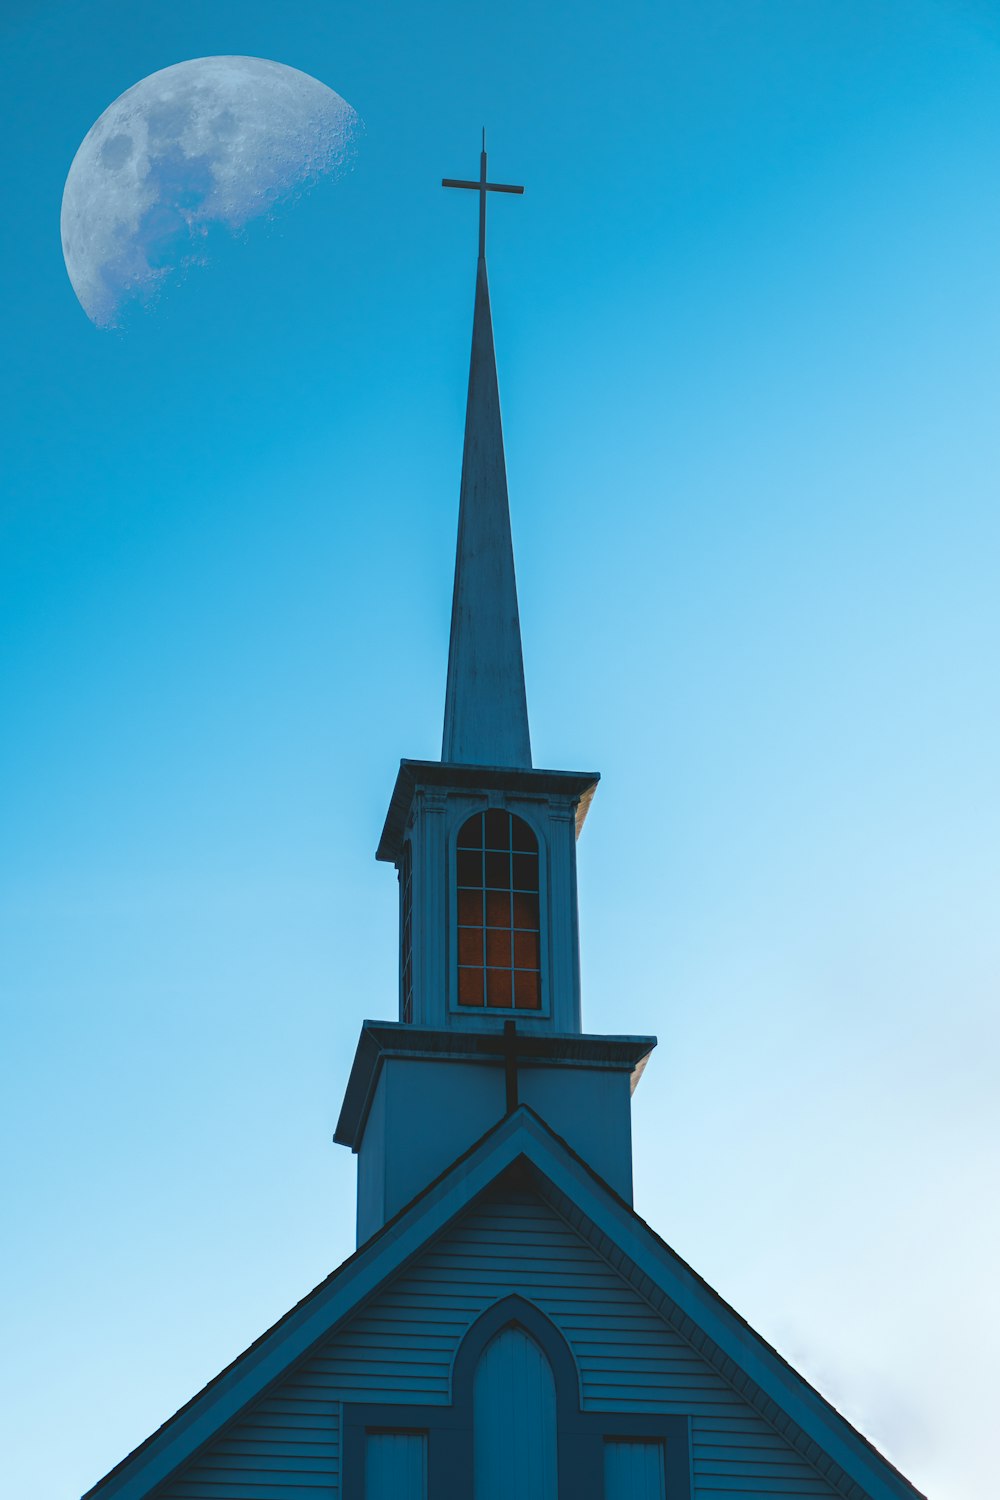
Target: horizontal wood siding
743, 1455
401, 1346
285, 1448
399, 1349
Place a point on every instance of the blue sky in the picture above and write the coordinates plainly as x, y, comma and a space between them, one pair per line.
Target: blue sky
748, 327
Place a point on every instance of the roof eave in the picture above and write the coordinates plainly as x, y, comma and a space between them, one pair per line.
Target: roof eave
380, 1040
720, 1331
580, 785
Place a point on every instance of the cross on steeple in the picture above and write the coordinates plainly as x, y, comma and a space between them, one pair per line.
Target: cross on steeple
506, 1045
482, 187
486, 710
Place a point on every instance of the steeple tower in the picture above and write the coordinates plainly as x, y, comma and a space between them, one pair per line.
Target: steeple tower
486, 709
485, 849
508, 1326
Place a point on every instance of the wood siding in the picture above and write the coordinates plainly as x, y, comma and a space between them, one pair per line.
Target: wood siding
634, 1471
399, 1349
396, 1466
287, 1448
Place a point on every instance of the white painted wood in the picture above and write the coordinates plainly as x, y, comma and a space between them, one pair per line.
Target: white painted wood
430, 906
289, 1442
399, 1349
456, 1102
634, 1470
630, 1359
396, 1466
486, 709
447, 1262
550, 804
562, 915
514, 1405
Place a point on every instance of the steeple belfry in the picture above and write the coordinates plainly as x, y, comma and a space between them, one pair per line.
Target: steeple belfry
508, 1326
486, 708
484, 845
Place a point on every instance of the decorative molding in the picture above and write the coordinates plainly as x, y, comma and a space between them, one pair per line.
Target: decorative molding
580, 1434
383, 1039
693, 1309
413, 774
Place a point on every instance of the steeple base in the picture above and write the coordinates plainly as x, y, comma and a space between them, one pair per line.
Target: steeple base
417, 1098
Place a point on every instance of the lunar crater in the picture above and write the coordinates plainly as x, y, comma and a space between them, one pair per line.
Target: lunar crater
202, 145
116, 151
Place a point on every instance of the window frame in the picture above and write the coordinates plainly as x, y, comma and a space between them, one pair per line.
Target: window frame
580, 1434
486, 1011
625, 1440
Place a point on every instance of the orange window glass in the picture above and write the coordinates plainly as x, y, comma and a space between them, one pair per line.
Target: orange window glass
496, 870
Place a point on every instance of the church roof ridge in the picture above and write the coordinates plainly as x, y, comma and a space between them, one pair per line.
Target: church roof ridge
741, 1355
383, 1233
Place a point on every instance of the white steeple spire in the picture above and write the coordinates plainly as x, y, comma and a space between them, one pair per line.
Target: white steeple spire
486, 709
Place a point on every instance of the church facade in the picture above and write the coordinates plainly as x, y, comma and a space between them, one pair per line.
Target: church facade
508, 1327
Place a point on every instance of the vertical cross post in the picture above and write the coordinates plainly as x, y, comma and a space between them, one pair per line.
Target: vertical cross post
482, 187
505, 1049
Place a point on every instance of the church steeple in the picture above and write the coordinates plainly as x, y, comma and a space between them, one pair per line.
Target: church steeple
486, 709
485, 848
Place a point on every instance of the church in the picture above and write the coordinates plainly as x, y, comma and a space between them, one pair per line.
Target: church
508, 1327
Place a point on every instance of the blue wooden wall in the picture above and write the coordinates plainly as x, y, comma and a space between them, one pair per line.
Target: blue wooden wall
634, 1471
396, 1466
287, 1448
400, 1347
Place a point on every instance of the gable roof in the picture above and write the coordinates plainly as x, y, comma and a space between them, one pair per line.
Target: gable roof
760, 1375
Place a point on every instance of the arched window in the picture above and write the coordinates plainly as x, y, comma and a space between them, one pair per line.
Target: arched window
514, 1420
514, 1430
498, 924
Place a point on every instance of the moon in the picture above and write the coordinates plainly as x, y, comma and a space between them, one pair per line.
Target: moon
216, 141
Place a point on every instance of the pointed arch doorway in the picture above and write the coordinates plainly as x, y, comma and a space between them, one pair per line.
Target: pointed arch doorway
515, 1428
514, 1420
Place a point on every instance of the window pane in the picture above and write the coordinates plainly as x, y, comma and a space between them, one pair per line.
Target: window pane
527, 993
470, 986
498, 912
498, 947
497, 829
525, 910
498, 909
526, 950
471, 833
498, 988
470, 908
498, 871
470, 945
522, 836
